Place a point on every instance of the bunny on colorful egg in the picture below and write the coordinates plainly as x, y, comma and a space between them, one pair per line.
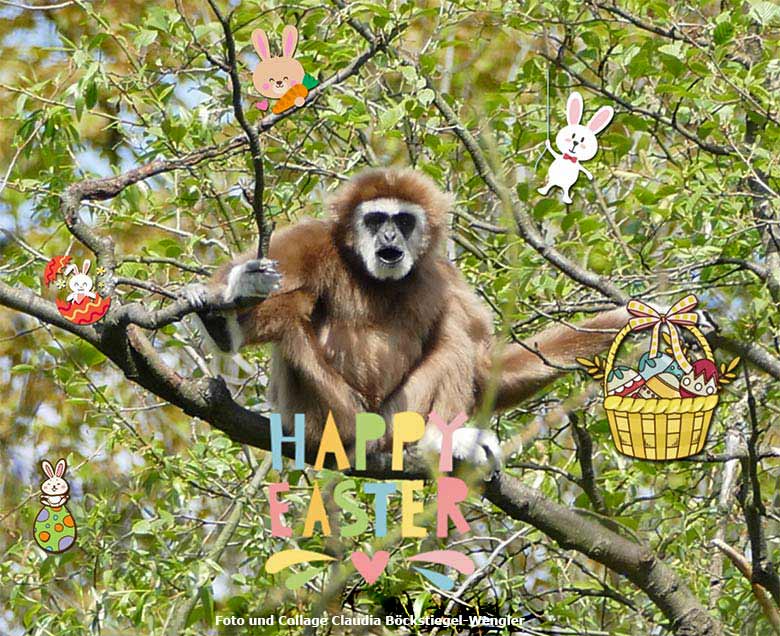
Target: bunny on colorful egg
80, 283
54, 529
274, 76
577, 144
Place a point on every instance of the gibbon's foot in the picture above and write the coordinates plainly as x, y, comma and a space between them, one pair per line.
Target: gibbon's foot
252, 279
478, 447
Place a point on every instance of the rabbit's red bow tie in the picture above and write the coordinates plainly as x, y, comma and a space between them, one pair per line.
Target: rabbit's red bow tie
571, 158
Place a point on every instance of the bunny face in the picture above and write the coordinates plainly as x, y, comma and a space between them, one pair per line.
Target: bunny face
274, 76
80, 283
55, 484
576, 141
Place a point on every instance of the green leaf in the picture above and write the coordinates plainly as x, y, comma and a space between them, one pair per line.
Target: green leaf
723, 33
207, 602
142, 526
426, 96
145, 38
91, 95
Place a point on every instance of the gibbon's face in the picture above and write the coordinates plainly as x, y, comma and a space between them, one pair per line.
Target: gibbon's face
390, 236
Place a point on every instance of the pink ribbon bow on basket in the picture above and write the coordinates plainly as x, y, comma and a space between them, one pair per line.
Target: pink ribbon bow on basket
681, 313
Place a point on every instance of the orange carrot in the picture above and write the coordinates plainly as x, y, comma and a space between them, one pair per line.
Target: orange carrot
287, 100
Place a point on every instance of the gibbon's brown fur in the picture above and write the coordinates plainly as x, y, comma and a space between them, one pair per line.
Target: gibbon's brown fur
348, 342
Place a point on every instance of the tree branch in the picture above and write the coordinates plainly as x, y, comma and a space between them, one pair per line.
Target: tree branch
763, 597
634, 561
749, 497
263, 235
670, 122
180, 612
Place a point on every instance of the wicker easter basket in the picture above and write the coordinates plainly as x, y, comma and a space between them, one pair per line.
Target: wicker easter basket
660, 428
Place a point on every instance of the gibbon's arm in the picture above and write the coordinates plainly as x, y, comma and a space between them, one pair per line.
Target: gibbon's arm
284, 316
523, 372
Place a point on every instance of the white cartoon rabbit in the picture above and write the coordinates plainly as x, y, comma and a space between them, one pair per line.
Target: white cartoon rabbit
80, 284
577, 144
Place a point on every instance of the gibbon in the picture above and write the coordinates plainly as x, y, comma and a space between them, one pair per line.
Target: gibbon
366, 313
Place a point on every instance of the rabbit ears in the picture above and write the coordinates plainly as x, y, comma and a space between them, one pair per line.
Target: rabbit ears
597, 123
289, 42
58, 470
72, 268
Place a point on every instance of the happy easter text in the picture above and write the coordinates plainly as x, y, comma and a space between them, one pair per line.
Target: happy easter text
408, 428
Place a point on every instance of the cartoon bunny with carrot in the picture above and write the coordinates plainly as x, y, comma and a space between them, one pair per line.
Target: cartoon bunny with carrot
281, 77
577, 144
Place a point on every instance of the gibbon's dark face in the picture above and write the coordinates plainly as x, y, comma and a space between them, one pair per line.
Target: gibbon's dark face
390, 235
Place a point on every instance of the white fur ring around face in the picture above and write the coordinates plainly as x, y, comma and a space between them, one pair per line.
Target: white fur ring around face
576, 144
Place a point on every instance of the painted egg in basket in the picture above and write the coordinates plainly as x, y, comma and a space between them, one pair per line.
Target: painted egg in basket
661, 363
624, 381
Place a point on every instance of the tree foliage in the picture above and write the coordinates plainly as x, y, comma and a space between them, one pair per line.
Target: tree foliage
684, 199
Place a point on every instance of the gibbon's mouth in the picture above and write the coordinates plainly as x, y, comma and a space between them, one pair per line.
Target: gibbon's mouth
390, 255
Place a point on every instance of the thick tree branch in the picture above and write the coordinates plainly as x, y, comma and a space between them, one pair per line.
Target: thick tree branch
636, 562
23, 300
587, 481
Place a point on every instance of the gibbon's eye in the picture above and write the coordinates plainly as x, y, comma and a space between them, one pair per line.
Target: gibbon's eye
405, 222
374, 220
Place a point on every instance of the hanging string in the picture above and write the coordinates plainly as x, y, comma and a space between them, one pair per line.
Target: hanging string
536, 165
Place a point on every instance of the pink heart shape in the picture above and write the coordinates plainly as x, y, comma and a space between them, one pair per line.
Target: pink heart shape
369, 568
262, 105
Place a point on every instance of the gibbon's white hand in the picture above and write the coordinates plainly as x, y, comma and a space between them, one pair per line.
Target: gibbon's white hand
252, 279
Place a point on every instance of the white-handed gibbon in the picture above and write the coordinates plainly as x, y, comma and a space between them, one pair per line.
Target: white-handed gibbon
367, 314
